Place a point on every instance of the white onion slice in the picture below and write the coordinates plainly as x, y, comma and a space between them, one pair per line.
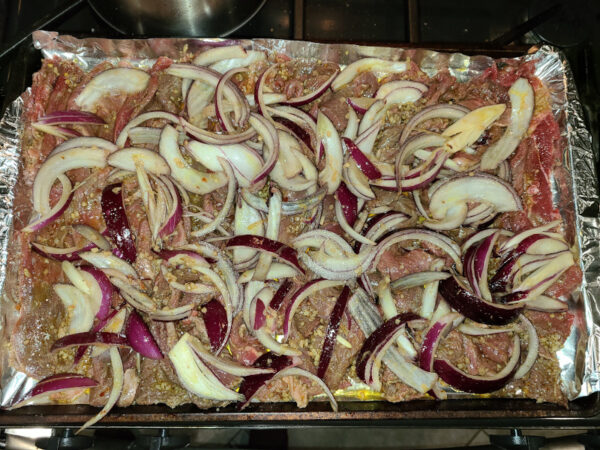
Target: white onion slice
118, 80
331, 176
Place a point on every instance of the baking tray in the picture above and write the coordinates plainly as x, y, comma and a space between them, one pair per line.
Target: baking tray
469, 413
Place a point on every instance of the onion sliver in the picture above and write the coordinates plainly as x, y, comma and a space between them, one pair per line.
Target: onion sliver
92, 235
328, 136
140, 338
121, 79
216, 324
332, 330
376, 65
153, 115
196, 376
272, 232
131, 158
377, 344
191, 179
478, 187
311, 96
478, 384
117, 374
59, 163
223, 364
442, 111
42, 392
475, 308
78, 306
90, 338
439, 240
117, 224
300, 295
522, 103
251, 384
57, 210
281, 251
106, 260
297, 372
100, 288
61, 254
267, 131
368, 319
436, 332
217, 54
226, 208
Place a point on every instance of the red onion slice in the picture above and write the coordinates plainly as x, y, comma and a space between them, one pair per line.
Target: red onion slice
375, 344
251, 384
259, 90
58, 164
351, 130
475, 308
61, 254
214, 138
281, 294
100, 288
547, 304
57, 210
372, 118
360, 104
175, 213
318, 92
215, 321
437, 331
212, 78
281, 251
478, 187
90, 338
241, 102
140, 338
466, 130
514, 241
117, 224
390, 86
478, 384
92, 235
72, 117
106, 260
55, 130
332, 330
368, 319
365, 165
42, 392
252, 57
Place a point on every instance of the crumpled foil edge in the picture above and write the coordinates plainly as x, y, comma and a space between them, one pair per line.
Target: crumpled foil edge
578, 359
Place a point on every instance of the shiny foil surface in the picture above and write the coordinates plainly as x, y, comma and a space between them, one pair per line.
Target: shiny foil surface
579, 359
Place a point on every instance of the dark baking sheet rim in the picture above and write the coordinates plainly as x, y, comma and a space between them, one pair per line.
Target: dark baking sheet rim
469, 413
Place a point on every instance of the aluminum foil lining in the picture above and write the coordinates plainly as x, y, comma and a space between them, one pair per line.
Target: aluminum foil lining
579, 359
